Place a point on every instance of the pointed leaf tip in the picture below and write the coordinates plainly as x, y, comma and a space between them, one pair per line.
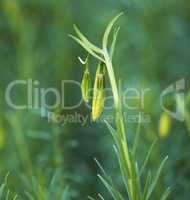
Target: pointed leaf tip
108, 30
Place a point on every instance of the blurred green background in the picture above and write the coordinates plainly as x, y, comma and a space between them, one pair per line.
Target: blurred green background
46, 160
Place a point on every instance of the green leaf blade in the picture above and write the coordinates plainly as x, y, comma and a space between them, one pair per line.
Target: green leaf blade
86, 41
108, 30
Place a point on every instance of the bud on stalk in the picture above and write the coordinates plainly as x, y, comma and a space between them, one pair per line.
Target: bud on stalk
86, 84
99, 92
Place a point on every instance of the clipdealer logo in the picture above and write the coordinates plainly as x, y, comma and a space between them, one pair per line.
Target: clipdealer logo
177, 90
37, 97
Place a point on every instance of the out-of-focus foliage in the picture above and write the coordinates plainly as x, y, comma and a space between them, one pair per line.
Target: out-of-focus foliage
49, 161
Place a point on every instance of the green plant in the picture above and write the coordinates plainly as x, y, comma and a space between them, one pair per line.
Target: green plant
43, 187
131, 173
5, 194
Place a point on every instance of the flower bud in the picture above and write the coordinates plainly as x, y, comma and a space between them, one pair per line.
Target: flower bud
164, 125
86, 84
99, 92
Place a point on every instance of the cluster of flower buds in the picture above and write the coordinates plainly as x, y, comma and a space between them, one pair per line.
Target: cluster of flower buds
98, 99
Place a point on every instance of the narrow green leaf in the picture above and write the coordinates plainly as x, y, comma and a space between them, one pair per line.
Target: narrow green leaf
86, 47
91, 198
112, 131
101, 168
7, 195
107, 185
135, 179
108, 182
87, 42
166, 194
65, 195
101, 197
113, 191
123, 170
3, 185
29, 196
147, 157
15, 197
112, 50
136, 141
153, 185
108, 30
146, 187
2, 190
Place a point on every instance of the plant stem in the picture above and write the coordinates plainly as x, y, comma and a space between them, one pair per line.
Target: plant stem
120, 126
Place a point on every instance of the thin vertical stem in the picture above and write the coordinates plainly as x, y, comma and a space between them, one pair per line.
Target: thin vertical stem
122, 140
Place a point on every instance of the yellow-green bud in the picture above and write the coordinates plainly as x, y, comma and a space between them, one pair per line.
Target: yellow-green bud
86, 85
99, 93
164, 125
